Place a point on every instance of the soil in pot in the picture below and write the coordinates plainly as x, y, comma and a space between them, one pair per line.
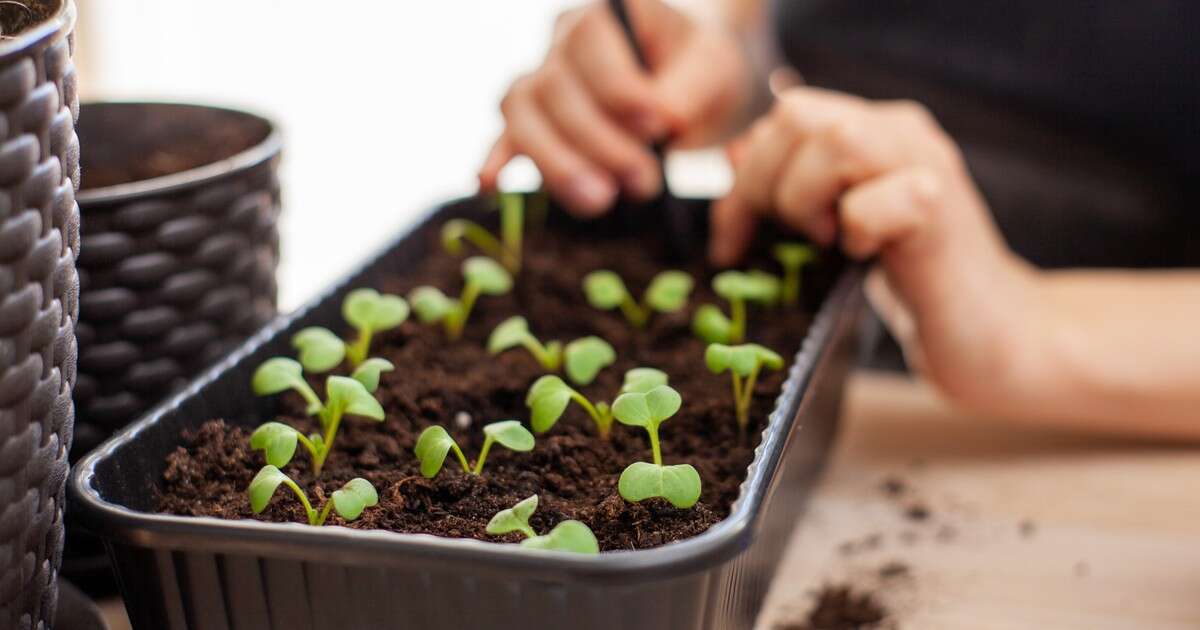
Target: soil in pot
461, 387
16, 17
130, 142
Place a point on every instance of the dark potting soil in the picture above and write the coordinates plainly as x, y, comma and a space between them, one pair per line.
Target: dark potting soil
18, 16
572, 471
134, 142
841, 607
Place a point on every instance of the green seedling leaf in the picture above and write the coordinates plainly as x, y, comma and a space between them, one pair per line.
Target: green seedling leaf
711, 325
647, 409
431, 449
280, 374
753, 286
668, 291
743, 360
357, 495
511, 333
794, 255
547, 400
604, 289
514, 519
430, 304
277, 375
368, 372
352, 397
367, 309
584, 358
453, 232
277, 441
263, 486
510, 434
570, 536
720, 357
487, 275
642, 380
320, 349
678, 484
514, 332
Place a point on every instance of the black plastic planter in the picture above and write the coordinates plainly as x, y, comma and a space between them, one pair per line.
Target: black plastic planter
180, 572
39, 241
179, 206
177, 268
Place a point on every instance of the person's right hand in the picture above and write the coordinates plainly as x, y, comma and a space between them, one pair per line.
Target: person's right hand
588, 115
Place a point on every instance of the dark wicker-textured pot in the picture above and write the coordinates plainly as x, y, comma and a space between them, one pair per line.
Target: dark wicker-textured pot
39, 242
179, 207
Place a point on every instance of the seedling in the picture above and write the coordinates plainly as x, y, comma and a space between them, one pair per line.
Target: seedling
569, 535
668, 293
743, 364
549, 396
584, 357
792, 257
434, 443
711, 325
506, 249
343, 396
678, 484
482, 276
369, 312
349, 502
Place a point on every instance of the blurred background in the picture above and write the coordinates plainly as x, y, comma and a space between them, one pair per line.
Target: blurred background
386, 107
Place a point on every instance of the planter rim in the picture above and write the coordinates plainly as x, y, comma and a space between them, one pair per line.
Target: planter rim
61, 21
268, 148
720, 542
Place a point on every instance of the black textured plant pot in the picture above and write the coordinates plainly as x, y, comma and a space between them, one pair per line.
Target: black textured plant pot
179, 208
39, 290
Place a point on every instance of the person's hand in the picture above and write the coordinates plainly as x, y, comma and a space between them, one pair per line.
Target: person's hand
885, 180
588, 115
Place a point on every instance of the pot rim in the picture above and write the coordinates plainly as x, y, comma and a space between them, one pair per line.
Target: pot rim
120, 524
266, 149
60, 22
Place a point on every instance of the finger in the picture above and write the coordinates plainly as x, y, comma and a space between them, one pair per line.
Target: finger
838, 157
603, 59
587, 128
698, 84
762, 159
887, 209
732, 230
498, 157
896, 316
570, 177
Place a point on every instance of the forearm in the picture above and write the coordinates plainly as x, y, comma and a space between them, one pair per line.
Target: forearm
1120, 351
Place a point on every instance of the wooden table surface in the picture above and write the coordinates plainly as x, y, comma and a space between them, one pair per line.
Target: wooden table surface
1026, 527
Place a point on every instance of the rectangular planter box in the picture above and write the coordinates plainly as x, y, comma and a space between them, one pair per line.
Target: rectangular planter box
205, 573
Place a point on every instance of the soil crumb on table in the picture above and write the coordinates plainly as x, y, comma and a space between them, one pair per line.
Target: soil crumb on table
842, 607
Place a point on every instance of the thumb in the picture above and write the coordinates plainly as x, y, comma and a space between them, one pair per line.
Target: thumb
896, 316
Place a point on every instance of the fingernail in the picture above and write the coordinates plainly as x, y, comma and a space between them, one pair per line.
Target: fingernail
642, 183
592, 194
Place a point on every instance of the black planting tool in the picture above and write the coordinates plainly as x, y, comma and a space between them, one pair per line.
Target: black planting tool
679, 219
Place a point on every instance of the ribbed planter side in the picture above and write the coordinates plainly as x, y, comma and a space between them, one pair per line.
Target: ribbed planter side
172, 276
39, 288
